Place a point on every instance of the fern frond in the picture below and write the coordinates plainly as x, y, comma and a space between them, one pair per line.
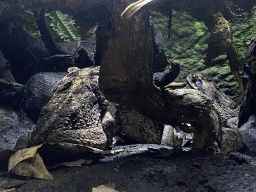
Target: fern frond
64, 26
27, 20
61, 26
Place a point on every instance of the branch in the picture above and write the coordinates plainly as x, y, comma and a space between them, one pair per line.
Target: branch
45, 33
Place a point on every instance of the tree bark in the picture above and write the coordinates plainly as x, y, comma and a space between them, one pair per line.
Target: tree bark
126, 77
45, 33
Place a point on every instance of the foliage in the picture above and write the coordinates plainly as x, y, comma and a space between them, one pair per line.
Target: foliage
188, 45
28, 22
61, 26
243, 31
200, 27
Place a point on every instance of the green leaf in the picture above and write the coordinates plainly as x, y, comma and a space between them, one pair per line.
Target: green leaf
61, 26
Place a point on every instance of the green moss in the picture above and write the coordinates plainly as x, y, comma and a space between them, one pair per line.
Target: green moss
199, 28
243, 31
188, 45
62, 27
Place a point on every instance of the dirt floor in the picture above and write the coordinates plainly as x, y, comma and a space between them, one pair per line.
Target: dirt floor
139, 168
146, 168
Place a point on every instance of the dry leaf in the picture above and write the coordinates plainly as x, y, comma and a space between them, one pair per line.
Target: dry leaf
9, 190
77, 163
27, 162
103, 188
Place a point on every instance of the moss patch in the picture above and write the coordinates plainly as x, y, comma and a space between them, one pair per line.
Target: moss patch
188, 45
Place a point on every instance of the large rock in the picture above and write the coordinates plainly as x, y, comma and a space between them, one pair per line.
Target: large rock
231, 141
171, 137
109, 127
13, 124
10, 93
38, 91
72, 115
8, 117
248, 132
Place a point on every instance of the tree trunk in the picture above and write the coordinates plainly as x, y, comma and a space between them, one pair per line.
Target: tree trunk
126, 77
45, 33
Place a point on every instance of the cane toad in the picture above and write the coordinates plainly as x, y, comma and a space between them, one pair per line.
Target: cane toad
221, 101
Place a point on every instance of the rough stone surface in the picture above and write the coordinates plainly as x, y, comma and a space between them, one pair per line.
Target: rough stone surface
8, 117
171, 137
23, 141
232, 122
231, 141
109, 127
13, 124
248, 132
72, 115
249, 136
10, 93
38, 91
